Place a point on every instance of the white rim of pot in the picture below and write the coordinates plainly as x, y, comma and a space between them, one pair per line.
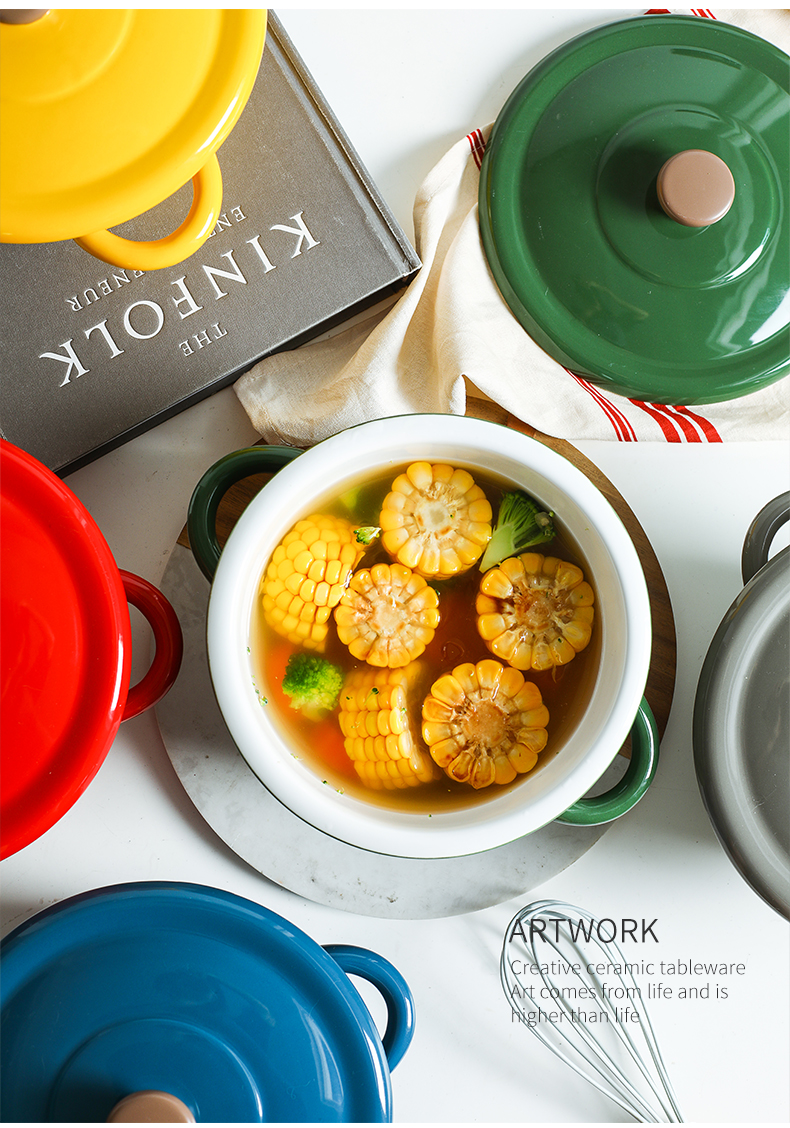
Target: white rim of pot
312, 479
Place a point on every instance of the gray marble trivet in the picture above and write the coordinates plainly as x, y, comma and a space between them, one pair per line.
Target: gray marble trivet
290, 852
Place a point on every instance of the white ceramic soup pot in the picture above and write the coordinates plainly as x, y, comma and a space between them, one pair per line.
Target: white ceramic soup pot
306, 481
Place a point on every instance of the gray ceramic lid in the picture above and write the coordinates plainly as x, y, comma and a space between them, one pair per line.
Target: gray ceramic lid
742, 725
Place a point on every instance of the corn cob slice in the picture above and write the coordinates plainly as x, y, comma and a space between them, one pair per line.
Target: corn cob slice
435, 520
379, 719
387, 615
306, 576
535, 611
484, 724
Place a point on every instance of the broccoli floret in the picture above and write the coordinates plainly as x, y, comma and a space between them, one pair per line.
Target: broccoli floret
313, 685
366, 534
521, 523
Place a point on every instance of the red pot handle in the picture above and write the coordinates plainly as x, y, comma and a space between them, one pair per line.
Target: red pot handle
169, 644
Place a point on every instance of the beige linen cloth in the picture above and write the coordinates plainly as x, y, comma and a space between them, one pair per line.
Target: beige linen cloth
450, 336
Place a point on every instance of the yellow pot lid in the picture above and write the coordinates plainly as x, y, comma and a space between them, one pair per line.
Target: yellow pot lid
105, 113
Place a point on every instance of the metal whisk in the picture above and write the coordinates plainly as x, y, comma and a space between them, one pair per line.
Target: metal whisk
568, 981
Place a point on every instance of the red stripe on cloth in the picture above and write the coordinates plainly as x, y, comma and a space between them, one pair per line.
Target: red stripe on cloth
686, 426
477, 145
669, 429
682, 421
678, 422
481, 145
705, 425
622, 428
705, 12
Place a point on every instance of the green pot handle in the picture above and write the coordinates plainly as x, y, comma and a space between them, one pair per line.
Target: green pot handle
215, 483
627, 792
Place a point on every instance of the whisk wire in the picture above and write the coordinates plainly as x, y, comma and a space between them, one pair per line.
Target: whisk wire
591, 1041
647, 1028
607, 1088
603, 1072
606, 1069
641, 1107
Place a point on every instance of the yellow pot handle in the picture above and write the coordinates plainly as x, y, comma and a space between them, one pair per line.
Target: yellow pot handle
174, 248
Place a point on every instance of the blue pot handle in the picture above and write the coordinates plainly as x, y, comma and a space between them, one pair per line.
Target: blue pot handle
627, 792
394, 990
215, 483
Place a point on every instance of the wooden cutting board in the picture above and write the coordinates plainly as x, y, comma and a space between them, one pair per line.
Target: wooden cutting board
661, 679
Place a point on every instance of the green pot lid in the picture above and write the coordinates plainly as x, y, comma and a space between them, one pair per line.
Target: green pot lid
655, 305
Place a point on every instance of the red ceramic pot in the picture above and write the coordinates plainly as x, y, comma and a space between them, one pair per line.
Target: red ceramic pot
66, 654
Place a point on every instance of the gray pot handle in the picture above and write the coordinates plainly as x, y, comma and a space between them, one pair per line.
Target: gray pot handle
761, 532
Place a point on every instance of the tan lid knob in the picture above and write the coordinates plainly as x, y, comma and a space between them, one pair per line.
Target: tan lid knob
695, 188
21, 15
150, 1106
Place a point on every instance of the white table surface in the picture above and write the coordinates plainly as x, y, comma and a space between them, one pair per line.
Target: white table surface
405, 85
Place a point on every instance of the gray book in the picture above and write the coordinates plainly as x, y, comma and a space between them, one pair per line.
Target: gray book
91, 355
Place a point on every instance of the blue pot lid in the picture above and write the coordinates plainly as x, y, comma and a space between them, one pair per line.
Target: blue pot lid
193, 992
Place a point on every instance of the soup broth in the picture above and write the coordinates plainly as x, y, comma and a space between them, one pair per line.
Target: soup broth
565, 689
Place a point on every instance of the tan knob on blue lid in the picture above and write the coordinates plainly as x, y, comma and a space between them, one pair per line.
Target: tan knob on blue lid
21, 15
695, 188
150, 1106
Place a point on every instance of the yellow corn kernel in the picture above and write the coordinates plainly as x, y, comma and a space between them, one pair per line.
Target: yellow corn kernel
484, 724
387, 615
435, 520
379, 719
535, 612
306, 576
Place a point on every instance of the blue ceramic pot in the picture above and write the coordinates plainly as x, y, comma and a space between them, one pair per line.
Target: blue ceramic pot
197, 993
